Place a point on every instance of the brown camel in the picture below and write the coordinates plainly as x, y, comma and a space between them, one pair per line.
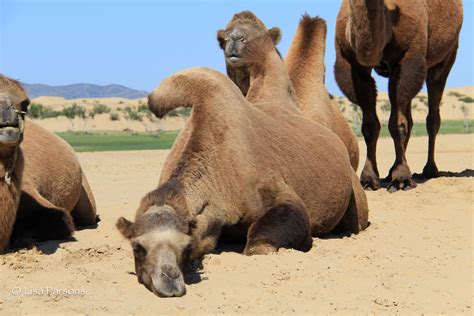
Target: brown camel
408, 42
241, 172
304, 65
43, 192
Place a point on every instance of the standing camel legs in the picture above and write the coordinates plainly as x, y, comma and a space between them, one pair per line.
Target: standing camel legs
359, 87
405, 82
435, 83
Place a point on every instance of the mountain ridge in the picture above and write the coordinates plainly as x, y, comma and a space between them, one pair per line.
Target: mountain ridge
83, 90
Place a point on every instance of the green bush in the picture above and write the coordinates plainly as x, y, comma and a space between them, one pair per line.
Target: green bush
100, 109
114, 117
132, 114
74, 111
455, 94
466, 100
39, 111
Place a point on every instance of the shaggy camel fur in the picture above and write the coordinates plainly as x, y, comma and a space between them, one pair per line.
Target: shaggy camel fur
304, 64
239, 171
43, 191
408, 42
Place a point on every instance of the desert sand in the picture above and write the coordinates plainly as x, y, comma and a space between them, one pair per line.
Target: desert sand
416, 256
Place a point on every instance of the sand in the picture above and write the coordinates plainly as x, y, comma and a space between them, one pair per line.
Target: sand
416, 257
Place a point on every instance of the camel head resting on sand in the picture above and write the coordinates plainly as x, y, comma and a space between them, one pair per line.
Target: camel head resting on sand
161, 246
13, 106
244, 27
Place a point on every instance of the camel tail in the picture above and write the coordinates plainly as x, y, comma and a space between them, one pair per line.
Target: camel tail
192, 88
305, 56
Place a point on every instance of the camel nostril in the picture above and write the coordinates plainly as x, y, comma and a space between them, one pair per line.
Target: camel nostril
170, 271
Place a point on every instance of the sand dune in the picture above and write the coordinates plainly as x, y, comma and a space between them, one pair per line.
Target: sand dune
416, 257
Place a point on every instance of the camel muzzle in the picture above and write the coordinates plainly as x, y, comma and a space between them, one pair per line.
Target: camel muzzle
11, 125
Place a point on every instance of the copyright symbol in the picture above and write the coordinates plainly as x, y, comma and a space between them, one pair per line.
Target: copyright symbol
16, 291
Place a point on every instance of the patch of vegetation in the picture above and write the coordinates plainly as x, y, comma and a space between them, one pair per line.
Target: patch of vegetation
185, 112
114, 117
455, 94
39, 111
466, 100
118, 141
100, 109
131, 114
419, 129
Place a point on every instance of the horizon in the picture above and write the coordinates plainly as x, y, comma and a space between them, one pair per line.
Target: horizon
87, 42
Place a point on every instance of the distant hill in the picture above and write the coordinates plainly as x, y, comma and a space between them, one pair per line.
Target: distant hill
83, 90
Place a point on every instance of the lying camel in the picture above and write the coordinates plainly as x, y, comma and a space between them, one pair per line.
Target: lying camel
304, 64
43, 192
240, 171
408, 42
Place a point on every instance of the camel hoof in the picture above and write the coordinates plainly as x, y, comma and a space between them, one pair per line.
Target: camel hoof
370, 183
403, 184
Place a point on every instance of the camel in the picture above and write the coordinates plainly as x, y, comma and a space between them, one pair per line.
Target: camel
239, 171
409, 42
44, 194
304, 64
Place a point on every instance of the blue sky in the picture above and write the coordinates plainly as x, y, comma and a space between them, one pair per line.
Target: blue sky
138, 43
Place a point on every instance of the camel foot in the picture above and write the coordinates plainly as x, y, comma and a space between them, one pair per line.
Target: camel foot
430, 171
369, 182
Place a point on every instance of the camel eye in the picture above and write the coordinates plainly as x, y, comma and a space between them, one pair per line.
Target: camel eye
139, 251
24, 106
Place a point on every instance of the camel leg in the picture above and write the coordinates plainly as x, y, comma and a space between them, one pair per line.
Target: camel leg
283, 226
85, 213
435, 82
356, 217
359, 87
405, 82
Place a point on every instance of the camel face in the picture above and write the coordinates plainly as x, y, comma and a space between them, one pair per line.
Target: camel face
13, 106
159, 248
243, 27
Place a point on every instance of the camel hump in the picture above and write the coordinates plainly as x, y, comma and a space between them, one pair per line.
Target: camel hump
190, 88
305, 56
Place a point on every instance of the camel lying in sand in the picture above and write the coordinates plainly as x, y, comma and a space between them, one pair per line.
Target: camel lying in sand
43, 192
239, 171
409, 42
304, 64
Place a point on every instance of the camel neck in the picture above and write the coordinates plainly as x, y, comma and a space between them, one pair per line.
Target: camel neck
370, 29
269, 81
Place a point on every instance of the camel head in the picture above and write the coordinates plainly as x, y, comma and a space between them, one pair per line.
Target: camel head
13, 106
243, 28
161, 247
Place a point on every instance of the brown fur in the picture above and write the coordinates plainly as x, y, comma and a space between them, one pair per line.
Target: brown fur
53, 186
408, 42
306, 68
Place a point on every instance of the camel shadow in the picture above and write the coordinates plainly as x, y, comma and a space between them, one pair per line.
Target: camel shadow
467, 173
48, 247
420, 179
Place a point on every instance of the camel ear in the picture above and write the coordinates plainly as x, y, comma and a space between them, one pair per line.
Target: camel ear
125, 227
275, 34
221, 38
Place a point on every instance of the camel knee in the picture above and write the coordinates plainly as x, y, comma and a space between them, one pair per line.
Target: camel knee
284, 226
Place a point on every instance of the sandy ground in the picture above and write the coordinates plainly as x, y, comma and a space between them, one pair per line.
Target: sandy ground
416, 257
